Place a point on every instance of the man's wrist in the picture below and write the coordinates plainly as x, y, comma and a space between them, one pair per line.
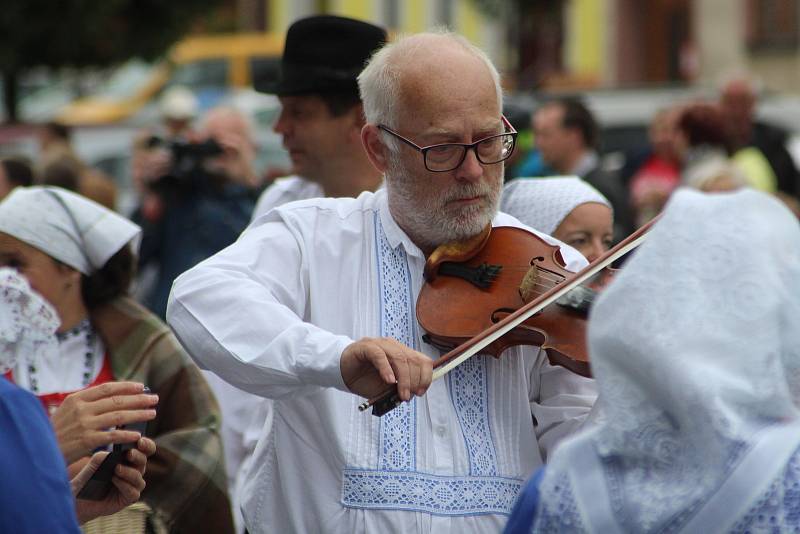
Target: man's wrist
322, 363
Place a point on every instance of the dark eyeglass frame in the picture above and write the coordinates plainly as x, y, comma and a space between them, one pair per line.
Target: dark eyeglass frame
467, 146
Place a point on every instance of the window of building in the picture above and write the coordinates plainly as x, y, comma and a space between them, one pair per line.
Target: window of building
444, 13
391, 13
771, 25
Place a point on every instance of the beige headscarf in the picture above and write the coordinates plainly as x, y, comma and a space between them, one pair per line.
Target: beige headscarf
68, 227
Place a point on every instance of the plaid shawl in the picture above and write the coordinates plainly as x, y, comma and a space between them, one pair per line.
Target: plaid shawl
186, 484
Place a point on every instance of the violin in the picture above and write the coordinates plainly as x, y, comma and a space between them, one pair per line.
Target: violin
498, 290
512, 268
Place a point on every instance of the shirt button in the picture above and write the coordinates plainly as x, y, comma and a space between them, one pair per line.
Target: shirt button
441, 431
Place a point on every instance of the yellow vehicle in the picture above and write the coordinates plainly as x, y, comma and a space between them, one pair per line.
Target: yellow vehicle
200, 62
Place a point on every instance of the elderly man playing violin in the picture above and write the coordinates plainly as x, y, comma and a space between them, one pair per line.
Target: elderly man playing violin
314, 307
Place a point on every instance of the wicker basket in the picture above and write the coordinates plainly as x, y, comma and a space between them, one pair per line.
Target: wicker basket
137, 518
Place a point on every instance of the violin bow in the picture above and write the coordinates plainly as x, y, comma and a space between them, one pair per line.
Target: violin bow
388, 399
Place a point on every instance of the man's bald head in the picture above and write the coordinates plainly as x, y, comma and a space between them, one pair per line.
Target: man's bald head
433, 64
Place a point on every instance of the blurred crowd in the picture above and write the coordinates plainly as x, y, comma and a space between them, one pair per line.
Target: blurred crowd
103, 280
707, 145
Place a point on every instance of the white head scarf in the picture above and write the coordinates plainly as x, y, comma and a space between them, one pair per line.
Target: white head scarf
27, 322
68, 227
542, 203
695, 346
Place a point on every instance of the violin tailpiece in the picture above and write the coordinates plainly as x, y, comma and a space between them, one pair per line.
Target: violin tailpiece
481, 276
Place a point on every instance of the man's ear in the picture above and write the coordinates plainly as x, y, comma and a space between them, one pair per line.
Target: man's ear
373, 144
575, 137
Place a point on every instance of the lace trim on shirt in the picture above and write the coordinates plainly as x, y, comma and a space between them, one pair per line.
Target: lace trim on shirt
469, 390
422, 492
559, 514
397, 433
778, 509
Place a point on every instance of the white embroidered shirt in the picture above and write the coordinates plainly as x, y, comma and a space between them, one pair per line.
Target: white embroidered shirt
272, 314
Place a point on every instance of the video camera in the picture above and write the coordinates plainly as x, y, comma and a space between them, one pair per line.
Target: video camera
188, 161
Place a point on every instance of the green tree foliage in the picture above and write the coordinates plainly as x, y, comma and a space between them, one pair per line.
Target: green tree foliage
84, 33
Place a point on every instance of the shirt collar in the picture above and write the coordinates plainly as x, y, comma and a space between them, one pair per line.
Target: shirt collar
586, 164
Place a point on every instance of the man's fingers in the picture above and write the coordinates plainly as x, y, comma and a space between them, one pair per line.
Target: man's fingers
425, 379
414, 377
401, 371
394, 364
380, 361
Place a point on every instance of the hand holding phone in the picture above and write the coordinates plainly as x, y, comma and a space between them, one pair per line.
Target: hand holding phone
83, 420
99, 485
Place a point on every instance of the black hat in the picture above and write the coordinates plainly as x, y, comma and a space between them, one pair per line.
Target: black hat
324, 54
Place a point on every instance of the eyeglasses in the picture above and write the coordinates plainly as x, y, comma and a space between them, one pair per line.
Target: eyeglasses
445, 157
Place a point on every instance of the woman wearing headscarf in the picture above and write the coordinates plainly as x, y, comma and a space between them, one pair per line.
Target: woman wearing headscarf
35, 495
695, 348
565, 207
77, 255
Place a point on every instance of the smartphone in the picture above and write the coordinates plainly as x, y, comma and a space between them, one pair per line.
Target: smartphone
98, 486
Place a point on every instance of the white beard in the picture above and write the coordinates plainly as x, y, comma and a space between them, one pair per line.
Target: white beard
427, 219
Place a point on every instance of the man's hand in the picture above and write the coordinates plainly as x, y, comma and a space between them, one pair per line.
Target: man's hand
370, 364
128, 482
148, 164
83, 420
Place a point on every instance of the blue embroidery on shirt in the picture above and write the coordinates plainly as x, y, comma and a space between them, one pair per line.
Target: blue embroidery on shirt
398, 427
423, 492
469, 390
778, 508
395, 484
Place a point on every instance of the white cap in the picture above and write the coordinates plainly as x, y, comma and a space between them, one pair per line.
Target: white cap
178, 103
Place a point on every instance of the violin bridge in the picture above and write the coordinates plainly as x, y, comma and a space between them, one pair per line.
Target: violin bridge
527, 289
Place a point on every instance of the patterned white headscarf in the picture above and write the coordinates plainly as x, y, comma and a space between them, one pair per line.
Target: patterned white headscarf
68, 227
695, 346
542, 203
27, 322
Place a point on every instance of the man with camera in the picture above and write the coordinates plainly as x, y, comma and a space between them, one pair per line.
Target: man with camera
200, 196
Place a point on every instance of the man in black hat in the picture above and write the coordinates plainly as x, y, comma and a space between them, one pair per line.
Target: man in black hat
322, 116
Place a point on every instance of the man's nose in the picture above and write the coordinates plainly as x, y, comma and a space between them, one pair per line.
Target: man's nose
281, 125
470, 169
